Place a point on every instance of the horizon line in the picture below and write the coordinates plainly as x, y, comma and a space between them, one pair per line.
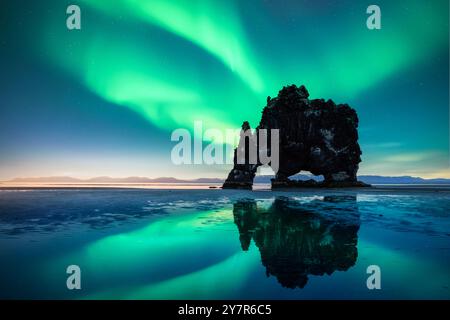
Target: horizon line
87, 179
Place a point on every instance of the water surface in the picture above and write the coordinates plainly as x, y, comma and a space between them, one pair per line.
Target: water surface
224, 244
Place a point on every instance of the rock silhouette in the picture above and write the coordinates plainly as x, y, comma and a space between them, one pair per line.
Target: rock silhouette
296, 240
314, 135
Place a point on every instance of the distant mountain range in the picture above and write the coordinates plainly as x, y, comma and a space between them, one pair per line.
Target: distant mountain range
105, 179
371, 179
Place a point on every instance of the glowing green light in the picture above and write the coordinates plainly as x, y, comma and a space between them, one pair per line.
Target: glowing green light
125, 67
212, 25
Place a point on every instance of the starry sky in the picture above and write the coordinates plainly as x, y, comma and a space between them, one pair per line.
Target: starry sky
105, 99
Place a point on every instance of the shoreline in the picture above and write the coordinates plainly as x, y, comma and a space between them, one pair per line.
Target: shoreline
215, 187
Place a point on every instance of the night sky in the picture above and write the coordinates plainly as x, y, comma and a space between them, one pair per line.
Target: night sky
104, 100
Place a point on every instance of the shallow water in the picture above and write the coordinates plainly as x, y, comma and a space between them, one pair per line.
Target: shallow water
214, 244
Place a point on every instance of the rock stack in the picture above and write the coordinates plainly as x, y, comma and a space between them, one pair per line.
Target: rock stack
314, 135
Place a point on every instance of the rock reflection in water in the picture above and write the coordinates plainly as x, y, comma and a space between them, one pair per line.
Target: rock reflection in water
298, 239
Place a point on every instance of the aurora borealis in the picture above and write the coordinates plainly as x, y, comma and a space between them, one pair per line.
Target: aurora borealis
103, 100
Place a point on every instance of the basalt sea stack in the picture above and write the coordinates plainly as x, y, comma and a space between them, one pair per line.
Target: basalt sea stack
314, 135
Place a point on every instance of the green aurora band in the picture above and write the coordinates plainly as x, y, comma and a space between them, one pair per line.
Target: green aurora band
130, 56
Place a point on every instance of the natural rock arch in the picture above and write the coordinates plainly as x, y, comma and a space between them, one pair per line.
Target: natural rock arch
314, 135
